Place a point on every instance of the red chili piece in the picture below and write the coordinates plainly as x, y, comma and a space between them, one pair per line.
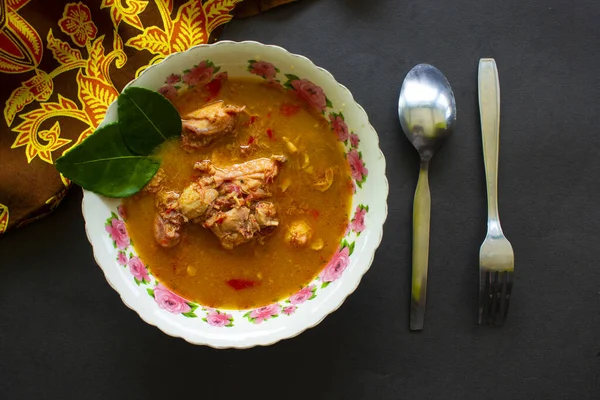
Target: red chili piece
288, 109
251, 121
240, 284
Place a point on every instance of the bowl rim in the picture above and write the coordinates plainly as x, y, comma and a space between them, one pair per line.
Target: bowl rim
332, 305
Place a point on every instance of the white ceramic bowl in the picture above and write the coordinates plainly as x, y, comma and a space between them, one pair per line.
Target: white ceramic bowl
246, 328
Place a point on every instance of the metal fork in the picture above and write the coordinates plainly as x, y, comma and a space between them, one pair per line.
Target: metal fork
496, 256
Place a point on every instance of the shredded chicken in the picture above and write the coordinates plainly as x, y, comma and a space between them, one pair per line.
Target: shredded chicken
168, 219
228, 201
243, 224
201, 127
196, 200
298, 233
155, 183
266, 215
234, 227
324, 180
263, 169
204, 166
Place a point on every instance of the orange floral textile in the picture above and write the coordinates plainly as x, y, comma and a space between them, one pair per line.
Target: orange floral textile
61, 65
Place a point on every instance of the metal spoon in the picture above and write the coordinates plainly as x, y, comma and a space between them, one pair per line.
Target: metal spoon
427, 112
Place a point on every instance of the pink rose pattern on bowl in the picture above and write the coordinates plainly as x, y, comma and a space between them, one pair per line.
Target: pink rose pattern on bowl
122, 258
218, 319
308, 293
200, 74
258, 315
263, 69
169, 301
354, 140
338, 125
138, 270
289, 310
117, 231
358, 170
203, 73
312, 94
338, 263
207, 74
357, 223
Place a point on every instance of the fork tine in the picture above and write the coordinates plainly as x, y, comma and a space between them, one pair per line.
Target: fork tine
494, 296
483, 293
493, 302
509, 283
506, 294
503, 276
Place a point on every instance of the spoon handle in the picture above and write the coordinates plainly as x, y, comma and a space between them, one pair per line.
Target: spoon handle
421, 216
489, 110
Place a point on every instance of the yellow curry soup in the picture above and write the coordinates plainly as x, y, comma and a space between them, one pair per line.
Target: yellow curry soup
311, 193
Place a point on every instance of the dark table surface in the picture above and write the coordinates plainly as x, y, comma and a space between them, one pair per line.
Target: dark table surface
64, 333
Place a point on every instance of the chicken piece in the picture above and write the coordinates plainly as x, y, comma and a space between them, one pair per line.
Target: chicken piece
166, 201
226, 200
155, 184
241, 225
204, 166
168, 219
298, 233
317, 244
249, 177
234, 227
263, 169
266, 215
253, 189
201, 127
195, 200
323, 181
229, 199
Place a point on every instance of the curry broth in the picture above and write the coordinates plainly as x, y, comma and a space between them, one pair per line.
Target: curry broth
199, 269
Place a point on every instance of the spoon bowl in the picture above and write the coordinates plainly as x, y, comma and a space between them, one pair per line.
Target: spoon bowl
427, 109
427, 112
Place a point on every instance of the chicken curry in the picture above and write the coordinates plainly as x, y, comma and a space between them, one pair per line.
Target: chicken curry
249, 204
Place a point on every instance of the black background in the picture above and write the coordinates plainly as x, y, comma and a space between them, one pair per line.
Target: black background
64, 333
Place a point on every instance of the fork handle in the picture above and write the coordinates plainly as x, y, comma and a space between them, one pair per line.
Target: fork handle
420, 256
489, 110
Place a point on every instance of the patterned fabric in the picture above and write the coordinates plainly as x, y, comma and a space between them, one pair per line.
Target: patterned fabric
61, 65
